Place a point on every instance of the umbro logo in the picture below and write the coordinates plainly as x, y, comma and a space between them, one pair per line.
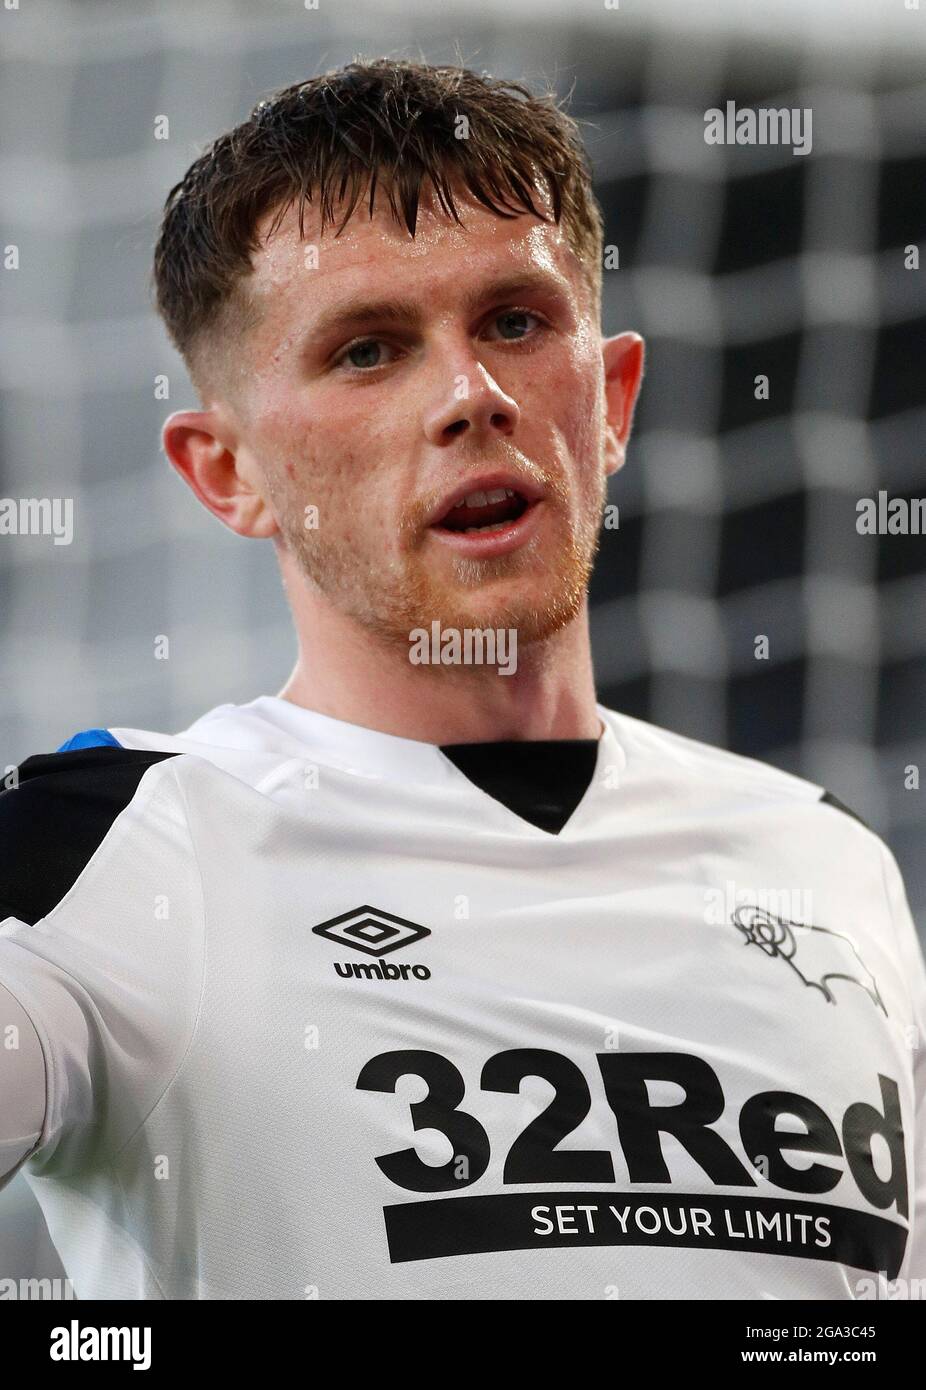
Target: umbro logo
371, 930
376, 933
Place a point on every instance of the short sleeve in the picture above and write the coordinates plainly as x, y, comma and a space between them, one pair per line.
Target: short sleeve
110, 977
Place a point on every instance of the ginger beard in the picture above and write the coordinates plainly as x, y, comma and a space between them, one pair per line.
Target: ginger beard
536, 590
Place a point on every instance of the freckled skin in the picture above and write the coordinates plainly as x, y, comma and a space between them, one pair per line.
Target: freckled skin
377, 447
380, 449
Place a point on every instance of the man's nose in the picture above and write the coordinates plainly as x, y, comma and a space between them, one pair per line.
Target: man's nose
472, 401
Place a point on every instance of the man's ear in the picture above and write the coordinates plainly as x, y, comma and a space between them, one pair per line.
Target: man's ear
211, 460
623, 373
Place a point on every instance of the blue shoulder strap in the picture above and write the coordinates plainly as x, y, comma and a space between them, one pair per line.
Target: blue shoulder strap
89, 738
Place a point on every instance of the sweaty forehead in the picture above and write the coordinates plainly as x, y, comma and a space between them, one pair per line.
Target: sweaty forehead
294, 277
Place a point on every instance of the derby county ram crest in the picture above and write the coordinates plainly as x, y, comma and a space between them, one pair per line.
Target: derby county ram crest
819, 956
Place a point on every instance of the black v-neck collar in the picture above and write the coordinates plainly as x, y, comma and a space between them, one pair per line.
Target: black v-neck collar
542, 781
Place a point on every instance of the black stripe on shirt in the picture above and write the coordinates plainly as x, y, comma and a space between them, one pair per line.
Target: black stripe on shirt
53, 822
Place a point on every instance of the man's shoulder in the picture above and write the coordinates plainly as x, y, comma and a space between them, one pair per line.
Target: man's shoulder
90, 767
56, 809
692, 760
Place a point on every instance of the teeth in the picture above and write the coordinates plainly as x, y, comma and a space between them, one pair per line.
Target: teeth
484, 499
496, 526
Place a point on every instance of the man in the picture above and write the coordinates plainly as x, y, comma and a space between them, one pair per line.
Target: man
426, 977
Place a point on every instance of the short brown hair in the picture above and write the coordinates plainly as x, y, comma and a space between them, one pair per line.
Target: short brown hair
388, 123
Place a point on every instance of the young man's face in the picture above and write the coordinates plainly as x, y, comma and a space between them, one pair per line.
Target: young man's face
400, 376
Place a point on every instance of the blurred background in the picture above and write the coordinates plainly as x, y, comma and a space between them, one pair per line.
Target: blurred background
737, 514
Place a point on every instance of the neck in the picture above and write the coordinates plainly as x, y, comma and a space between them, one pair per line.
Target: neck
345, 672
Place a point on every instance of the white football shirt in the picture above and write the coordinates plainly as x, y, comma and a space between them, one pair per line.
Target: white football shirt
321, 1017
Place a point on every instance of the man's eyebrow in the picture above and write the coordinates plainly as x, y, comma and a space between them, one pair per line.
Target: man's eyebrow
354, 313
508, 287
360, 311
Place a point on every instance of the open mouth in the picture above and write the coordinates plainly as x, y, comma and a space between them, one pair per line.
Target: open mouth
485, 512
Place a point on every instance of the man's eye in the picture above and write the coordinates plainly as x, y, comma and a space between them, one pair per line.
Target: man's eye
361, 356
515, 323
